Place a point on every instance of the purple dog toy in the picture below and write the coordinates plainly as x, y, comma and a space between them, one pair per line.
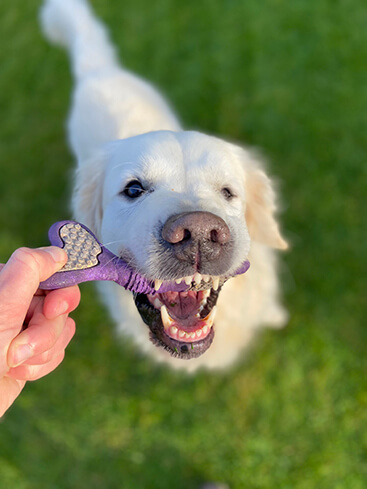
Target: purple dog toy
89, 260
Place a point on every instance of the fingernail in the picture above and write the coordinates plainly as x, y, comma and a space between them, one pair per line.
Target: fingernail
60, 309
21, 354
58, 255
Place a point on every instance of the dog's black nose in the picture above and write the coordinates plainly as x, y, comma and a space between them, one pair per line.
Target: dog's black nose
198, 238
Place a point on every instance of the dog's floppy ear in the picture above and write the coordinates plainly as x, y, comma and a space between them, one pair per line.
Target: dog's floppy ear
87, 197
260, 203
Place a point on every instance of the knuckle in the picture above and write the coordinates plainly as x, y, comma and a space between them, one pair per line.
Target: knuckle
44, 358
49, 340
25, 257
42, 339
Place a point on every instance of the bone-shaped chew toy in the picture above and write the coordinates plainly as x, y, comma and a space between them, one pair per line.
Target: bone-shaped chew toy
89, 260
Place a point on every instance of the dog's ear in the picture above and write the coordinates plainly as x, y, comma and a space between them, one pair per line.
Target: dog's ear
261, 204
88, 191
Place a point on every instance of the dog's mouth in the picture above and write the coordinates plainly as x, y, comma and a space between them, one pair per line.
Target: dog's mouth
182, 322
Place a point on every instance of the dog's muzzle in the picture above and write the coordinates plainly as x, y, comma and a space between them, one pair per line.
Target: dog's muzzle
197, 248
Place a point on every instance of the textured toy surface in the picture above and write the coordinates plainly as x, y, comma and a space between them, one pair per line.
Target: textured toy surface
89, 260
81, 247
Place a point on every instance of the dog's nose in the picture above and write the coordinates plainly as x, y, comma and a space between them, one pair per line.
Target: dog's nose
197, 237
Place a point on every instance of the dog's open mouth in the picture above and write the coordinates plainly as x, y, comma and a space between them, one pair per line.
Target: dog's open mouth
182, 322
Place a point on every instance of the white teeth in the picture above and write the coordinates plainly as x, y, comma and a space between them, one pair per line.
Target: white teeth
157, 303
215, 283
166, 318
197, 278
188, 280
199, 332
181, 333
173, 330
206, 294
157, 284
205, 329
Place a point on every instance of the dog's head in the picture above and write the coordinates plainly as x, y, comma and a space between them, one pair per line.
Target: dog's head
178, 206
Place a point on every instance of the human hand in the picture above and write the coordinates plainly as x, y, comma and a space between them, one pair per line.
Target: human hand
34, 325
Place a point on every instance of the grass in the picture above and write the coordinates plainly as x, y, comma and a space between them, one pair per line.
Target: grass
290, 78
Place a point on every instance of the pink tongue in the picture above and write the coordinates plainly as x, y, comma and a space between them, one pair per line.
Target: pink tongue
181, 304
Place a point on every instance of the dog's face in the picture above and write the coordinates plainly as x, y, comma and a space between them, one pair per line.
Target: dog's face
178, 207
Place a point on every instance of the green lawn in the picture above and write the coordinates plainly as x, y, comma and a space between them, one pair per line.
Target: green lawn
291, 78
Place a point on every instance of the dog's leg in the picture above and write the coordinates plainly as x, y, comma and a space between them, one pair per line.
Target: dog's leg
109, 103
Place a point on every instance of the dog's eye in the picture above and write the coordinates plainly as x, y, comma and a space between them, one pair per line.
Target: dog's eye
133, 189
227, 193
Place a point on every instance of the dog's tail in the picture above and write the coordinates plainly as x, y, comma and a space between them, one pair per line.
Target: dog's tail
72, 24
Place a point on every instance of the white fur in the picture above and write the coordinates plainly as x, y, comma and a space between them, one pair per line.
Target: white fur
187, 171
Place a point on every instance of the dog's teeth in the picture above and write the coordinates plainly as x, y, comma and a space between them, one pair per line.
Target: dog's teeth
197, 278
178, 280
206, 294
173, 330
181, 333
209, 319
157, 284
188, 280
205, 329
157, 303
166, 318
199, 332
215, 285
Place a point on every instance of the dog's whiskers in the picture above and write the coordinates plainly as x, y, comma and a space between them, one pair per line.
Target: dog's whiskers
118, 241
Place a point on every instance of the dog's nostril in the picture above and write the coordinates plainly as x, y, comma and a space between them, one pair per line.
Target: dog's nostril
176, 235
214, 236
220, 235
186, 235
175, 232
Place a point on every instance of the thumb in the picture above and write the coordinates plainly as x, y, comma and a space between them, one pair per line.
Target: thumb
19, 281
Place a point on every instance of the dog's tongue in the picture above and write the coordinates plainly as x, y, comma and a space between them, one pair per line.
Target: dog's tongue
181, 304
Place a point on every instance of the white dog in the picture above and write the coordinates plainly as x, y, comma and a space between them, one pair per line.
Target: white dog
177, 205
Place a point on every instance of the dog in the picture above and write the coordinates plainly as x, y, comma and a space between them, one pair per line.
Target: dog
176, 205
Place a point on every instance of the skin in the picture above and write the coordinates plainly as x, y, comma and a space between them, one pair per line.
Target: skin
35, 326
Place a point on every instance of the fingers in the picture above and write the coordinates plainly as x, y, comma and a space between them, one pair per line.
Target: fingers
35, 372
37, 350
61, 343
55, 302
19, 280
40, 336
62, 301
46, 356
